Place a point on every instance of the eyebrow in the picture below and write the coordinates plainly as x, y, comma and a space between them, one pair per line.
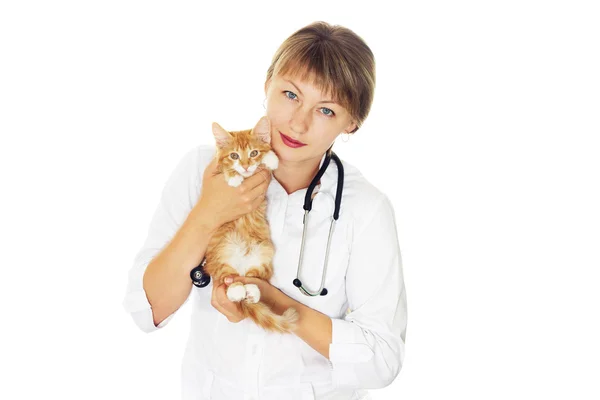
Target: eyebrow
300, 91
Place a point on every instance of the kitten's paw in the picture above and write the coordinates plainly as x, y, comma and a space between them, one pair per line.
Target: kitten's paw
235, 181
252, 293
270, 160
236, 292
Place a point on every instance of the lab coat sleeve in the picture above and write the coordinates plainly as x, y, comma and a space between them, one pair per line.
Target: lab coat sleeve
177, 199
368, 344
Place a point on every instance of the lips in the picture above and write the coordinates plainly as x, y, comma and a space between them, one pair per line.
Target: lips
289, 139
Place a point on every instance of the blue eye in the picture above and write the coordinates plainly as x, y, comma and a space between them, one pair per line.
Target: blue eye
292, 96
330, 112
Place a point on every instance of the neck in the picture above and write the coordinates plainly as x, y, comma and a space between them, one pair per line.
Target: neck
293, 176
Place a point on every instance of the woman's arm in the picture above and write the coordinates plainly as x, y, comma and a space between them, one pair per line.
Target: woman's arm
313, 327
368, 344
167, 278
366, 347
186, 217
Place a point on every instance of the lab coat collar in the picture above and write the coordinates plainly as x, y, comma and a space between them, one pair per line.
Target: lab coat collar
328, 185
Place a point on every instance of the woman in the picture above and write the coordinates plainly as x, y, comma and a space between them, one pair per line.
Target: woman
320, 84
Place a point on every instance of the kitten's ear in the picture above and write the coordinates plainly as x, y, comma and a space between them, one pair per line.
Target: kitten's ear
221, 135
263, 130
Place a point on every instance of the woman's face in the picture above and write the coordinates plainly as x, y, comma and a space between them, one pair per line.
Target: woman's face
302, 112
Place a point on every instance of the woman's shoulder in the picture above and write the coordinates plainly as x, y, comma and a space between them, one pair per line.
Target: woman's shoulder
188, 172
197, 158
203, 153
361, 198
358, 188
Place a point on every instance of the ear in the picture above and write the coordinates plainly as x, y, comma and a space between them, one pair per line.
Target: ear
221, 135
352, 126
263, 130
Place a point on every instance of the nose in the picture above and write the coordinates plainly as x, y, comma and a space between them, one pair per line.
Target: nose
300, 120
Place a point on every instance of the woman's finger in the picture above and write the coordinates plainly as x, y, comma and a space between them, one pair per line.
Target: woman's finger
227, 307
211, 168
245, 279
258, 201
217, 300
260, 189
261, 177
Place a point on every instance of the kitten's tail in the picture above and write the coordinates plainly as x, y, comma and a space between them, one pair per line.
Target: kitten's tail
262, 315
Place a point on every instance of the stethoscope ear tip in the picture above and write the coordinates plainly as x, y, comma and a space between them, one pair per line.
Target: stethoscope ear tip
298, 284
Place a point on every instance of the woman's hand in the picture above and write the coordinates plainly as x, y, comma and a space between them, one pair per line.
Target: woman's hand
222, 304
220, 203
275, 299
269, 294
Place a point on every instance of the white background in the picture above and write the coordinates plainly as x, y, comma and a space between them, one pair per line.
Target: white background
484, 134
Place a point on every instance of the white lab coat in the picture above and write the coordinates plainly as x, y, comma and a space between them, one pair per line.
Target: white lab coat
366, 299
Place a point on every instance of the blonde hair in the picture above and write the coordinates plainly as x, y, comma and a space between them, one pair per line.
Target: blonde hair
337, 61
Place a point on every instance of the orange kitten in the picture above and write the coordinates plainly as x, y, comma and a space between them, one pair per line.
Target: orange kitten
244, 247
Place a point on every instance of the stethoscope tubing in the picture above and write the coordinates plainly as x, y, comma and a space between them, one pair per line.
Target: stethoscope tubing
336, 214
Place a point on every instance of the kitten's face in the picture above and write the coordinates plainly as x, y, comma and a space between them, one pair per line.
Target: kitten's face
243, 151
244, 160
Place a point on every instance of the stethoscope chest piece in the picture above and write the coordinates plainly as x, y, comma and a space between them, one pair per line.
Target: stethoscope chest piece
199, 277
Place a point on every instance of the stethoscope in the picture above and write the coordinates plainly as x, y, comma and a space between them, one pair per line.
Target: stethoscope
201, 279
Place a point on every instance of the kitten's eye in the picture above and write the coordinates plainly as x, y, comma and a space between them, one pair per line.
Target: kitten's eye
254, 153
234, 156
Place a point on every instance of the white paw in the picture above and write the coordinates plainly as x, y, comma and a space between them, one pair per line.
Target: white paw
236, 293
252, 293
270, 160
235, 181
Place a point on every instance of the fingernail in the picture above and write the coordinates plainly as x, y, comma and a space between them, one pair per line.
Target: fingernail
228, 280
